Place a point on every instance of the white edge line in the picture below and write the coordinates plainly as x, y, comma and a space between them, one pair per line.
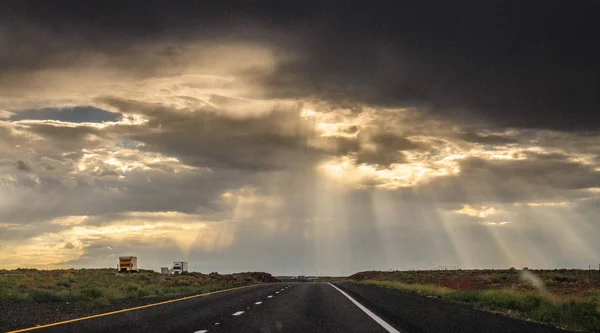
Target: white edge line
373, 316
201, 331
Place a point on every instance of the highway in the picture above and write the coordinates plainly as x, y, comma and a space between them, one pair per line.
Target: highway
302, 307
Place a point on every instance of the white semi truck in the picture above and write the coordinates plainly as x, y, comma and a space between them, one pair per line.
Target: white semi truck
127, 265
179, 267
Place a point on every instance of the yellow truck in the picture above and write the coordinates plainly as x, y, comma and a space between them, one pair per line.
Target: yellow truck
127, 265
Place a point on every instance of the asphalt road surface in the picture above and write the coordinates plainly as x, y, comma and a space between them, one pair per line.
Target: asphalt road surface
304, 307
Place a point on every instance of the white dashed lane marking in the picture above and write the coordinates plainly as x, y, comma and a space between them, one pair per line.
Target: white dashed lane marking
241, 312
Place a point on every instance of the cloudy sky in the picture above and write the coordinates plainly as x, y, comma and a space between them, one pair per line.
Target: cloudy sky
300, 138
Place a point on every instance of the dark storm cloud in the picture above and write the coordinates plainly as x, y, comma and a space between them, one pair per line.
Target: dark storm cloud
66, 138
526, 63
539, 178
202, 137
379, 158
79, 114
539, 170
471, 136
515, 63
21, 165
139, 191
420, 91
61, 132
394, 142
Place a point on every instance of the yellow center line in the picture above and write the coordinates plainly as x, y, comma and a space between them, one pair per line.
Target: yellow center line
124, 310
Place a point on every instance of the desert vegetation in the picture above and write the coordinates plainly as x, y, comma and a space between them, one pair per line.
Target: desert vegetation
101, 286
565, 298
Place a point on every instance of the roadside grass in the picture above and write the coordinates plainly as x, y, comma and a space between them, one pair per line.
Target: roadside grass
581, 313
559, 282
421, 289
97, 287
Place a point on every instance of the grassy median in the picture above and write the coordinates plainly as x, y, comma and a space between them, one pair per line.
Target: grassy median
100, 286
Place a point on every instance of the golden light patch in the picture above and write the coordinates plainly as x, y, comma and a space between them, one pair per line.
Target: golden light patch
70, 220
122, 160
482, 211
545, 204
397, 175
308, 113
158, 229
495, 224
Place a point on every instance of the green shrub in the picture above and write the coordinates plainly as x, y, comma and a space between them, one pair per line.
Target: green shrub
89, 293
573, 314
131, 290
6, 295
564, 279
583, 313
546, 312
131, 287
421, 289
96, 287
144, 292
43, 296
498, 299
530, 302
62, 284
96, 302
468, 296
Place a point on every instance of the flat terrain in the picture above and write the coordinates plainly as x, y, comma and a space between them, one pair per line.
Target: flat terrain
559, 282
304, 307
565, 298
98, 287
29, 297
414, 313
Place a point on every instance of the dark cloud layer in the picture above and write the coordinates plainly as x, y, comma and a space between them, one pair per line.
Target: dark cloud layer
513, 63
204, 138
337, 136
539, 178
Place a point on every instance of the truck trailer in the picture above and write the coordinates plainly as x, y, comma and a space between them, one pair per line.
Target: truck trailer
179, 267
127, 265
